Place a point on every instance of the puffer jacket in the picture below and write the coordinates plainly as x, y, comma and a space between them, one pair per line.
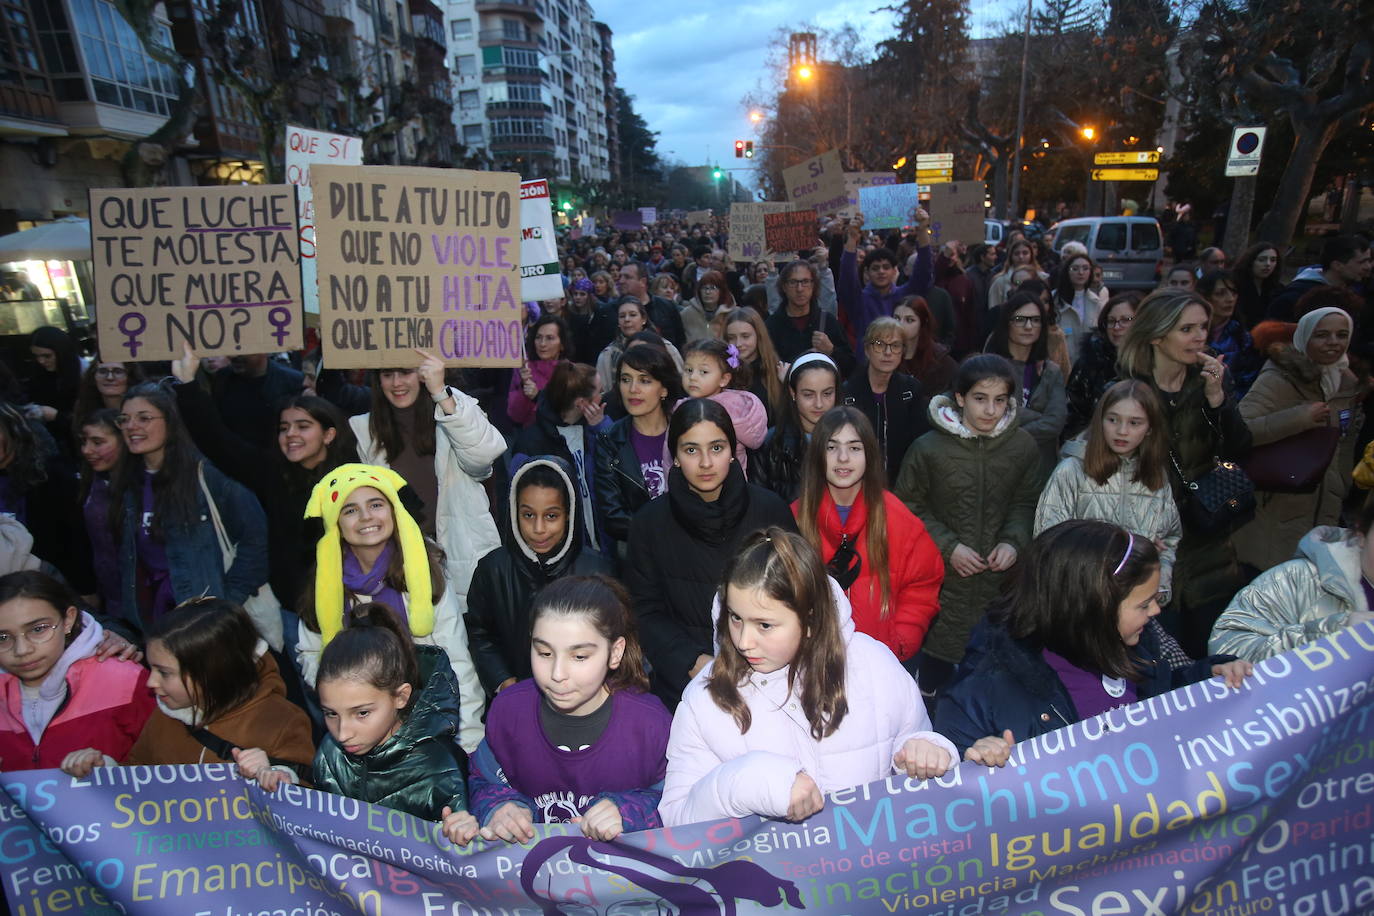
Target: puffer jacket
679, 547
1094, 371
915, 572
266, 720
1044, 414
1122, 500
979, 491
420, 769
715, 771
778, 465
103, 705
1205, 571
1008, 684
1295, 602
465, 447
506, 580
620, 487
1275, 409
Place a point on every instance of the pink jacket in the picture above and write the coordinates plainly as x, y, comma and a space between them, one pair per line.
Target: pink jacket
715, 772
749, 417
519, 408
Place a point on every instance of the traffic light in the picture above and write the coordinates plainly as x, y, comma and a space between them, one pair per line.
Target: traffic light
749, 149
739, 149
717, 174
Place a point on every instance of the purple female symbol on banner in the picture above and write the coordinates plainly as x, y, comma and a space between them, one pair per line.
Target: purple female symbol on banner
131, 325
280, 318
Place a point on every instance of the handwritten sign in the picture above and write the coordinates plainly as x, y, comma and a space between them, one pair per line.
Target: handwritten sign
216, 267
853, 181
748, 241
889, 206
649, 215
304, 148
539, 274
413, 257
818, 183
698, 216
791, 230
957, 211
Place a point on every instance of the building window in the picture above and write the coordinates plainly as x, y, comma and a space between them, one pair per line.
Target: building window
121, 74
466, 64
460, 28
467, 99
472, 134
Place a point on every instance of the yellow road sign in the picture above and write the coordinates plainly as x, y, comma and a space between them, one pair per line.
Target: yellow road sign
923, 174
1125, 174
1142, 158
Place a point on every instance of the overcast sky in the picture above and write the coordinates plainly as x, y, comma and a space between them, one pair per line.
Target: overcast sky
689, 65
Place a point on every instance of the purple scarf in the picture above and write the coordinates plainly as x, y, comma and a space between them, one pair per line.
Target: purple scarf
369, 586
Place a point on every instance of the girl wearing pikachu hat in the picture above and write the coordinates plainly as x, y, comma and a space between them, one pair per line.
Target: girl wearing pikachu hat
372, 550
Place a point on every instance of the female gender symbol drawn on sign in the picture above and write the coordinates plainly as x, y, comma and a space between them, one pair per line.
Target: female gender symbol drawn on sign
131, 325
280, 318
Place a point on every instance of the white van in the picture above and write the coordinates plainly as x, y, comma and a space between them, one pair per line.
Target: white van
1129, 249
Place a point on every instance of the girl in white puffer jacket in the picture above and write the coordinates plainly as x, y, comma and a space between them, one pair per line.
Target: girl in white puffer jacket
1119, 475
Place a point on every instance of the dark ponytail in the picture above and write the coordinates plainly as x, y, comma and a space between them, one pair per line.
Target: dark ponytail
373, 648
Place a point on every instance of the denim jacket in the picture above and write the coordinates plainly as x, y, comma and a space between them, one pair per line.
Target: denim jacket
193, 553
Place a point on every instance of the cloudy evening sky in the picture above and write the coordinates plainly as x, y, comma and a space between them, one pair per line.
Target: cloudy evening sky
689, 65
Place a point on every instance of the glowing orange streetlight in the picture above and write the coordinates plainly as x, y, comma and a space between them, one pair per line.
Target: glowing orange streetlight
756, 116
1089, 133
804, 72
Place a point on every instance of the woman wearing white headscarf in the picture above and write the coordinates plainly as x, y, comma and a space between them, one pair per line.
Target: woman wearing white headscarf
1304, 385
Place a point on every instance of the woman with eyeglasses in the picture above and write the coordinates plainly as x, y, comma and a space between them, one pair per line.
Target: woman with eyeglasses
713, 298
893, 401
1095, 368
164, 521
878, 552
1020, 336
801, 324
103, 385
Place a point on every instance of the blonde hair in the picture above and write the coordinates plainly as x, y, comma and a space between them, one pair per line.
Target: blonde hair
1155, 317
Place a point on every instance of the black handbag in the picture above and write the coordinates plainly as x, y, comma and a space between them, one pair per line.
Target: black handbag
1219, 501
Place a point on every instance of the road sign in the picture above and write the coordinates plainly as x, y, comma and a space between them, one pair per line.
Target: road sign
935, 161
1125, 174
1142, 158
1244, 156
935, 174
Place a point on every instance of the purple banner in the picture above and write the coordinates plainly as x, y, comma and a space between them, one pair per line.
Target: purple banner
1204, 800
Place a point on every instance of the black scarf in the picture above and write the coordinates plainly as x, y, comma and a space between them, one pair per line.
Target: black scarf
714, 522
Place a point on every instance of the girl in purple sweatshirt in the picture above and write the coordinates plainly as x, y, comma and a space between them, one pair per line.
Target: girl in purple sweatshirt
582, 741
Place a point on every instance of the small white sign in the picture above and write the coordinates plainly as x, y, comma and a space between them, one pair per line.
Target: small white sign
1244, 157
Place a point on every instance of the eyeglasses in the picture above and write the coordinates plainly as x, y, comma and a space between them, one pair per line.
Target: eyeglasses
140, 419
887, 346
1119, 322
711, 286
111, 372
802, 282
37, 635
1026, 321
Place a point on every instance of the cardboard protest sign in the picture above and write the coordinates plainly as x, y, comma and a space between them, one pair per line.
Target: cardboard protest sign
791, 230
957, 211
303, 149
818, 183
216, 267
698, 216
539, 273
747, 238
853, 181
889, 206
418, 258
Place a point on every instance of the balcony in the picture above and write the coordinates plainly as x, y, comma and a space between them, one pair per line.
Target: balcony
493, 37
27, 105
518, 108
531, 143
532, 8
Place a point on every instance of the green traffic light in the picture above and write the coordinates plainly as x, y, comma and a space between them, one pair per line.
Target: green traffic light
717, 173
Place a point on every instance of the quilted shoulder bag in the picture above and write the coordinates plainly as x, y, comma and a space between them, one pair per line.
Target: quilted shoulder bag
1220, 500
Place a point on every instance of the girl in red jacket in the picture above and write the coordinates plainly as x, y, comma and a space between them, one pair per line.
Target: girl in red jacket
60, 704
877, 551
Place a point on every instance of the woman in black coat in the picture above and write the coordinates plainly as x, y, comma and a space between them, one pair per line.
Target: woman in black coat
899, 415
1072, 638
630, 467
1094, 368
680, 543
544, 543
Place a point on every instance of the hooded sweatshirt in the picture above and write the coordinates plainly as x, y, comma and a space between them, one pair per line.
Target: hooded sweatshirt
507, 578
81, 703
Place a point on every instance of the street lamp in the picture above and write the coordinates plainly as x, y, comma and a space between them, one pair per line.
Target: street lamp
756, 116
1089, 133
899, 163
804, 72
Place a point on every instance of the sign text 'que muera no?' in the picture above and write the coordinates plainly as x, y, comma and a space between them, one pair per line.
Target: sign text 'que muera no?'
215, 267
415, 258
